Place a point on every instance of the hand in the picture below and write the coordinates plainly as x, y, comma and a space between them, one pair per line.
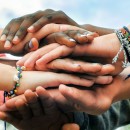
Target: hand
102, 50
45, 31
32, 23
96, 100
34, 113
70, 65
70, 37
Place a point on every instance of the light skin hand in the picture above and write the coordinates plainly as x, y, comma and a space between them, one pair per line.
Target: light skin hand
102, 49
94, 101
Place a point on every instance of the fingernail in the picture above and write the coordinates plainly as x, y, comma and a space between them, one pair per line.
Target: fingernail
83, 35
72, 40
3, 37
68, 89
87, 33
7, 44
31, 44
16, 38
76, 65
31, 28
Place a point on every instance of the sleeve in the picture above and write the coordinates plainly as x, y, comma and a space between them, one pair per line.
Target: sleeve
118, 115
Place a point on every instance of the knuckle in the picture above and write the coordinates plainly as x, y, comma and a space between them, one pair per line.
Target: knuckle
49, 10
38, 12
38, 24
22, 30
5, 31
11, 33
49, 17
62, 14
18, 20
31, 17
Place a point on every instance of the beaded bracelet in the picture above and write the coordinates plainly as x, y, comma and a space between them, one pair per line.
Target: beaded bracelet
126, 33
12, 93
123, 42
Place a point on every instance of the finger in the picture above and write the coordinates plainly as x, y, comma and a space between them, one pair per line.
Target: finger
22, 61
33, 103
14, 28
64, 64
10, 104
80, 36
60, 51
37, 54
74, 66
9, 118
106, 69
60, 38
47, 101
40, 22
23, 109
22, 31
32, 45
70, 126
100, 79
8, 45
74, 80
46, 19
82, 100
6, 31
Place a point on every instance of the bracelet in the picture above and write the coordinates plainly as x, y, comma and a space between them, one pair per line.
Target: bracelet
126, 33
124, 42
17, 77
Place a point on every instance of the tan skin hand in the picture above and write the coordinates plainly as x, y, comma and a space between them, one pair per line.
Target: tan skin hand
36, 112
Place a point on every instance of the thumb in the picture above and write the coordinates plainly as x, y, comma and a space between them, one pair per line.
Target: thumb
70, 126
32, 45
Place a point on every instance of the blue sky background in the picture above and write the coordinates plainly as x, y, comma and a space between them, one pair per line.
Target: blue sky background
106, 13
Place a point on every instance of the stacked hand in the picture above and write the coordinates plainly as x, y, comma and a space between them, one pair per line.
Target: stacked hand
35, 111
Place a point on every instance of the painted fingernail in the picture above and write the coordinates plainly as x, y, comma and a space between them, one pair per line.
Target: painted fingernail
72, 40
7, 44
3, 37
31, 28
31, 44
16, 38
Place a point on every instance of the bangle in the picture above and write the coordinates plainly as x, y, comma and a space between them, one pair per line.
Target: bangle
17, 77
123, 42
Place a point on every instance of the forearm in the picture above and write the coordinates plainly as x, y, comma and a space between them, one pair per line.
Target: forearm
100, 30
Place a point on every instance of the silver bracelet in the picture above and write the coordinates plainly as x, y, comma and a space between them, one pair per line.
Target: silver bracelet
124, 43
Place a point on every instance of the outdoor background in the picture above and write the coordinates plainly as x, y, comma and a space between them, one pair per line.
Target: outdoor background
105, 13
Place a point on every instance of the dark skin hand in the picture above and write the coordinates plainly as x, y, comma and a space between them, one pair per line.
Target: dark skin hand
36, 111
32, 23
35, 21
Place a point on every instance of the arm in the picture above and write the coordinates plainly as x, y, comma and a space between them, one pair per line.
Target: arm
100, 30
32, 79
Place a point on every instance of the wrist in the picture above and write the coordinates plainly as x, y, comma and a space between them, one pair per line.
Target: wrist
100, 30
8, 73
